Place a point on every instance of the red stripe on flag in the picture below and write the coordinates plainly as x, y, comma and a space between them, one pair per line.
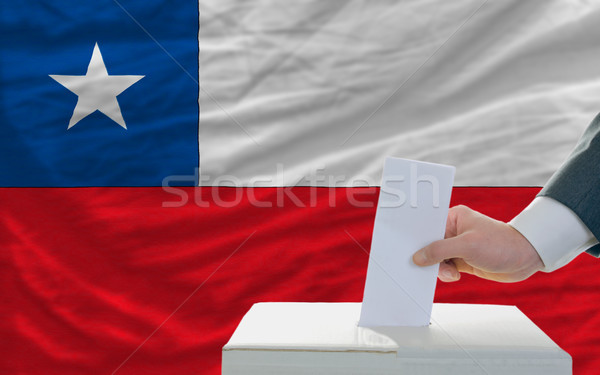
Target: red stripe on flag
88, 274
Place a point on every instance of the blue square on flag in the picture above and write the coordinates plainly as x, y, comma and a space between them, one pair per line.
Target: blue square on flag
100, 93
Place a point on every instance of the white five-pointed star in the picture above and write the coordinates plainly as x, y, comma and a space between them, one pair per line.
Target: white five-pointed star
97, 91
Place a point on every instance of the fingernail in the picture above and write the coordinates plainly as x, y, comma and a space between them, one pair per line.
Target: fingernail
448, 274
419, 258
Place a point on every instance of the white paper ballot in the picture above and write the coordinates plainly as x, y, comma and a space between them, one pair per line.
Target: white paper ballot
411, 213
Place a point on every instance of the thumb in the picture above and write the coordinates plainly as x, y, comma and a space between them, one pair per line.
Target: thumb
439, 251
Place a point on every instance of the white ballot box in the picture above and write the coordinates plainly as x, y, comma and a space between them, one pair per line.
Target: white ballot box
324, 338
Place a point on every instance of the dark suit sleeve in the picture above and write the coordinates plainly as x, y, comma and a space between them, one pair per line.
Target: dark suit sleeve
577, 183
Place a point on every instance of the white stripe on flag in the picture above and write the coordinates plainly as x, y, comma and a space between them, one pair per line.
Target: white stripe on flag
502, 91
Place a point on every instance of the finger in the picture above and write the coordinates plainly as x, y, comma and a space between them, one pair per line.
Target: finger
456, 216
448, 272
451, 224
463, 266
441, 250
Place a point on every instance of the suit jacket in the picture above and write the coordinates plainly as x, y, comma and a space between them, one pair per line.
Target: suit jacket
577, 183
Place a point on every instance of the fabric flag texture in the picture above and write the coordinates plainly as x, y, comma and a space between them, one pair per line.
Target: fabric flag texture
112, 113
41, 40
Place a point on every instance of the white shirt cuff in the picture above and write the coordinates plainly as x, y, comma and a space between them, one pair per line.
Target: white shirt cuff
556, 232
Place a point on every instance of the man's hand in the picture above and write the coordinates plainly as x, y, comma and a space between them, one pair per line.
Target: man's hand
482, 246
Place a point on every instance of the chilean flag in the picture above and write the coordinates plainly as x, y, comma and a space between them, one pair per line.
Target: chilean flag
164, 165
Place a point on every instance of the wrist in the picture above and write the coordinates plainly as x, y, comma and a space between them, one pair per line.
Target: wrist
531, 262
